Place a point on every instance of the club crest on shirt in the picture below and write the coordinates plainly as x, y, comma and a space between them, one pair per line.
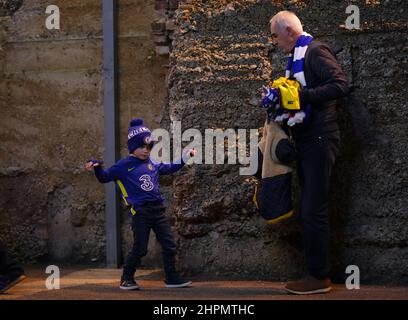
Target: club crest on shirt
150, 167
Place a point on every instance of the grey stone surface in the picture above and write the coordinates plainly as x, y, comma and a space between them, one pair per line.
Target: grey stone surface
8, 7
215, 72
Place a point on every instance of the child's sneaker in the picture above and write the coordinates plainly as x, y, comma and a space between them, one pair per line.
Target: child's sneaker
9, 281
175, 281
129, 285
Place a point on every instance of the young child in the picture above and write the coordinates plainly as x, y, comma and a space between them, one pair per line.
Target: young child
138, 179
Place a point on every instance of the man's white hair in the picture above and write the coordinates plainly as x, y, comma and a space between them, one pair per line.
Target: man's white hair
284, 19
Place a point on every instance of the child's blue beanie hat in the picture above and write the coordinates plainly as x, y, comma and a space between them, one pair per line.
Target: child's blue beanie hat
138, 135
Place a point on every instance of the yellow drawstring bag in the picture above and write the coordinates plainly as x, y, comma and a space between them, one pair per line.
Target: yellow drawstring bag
289, 92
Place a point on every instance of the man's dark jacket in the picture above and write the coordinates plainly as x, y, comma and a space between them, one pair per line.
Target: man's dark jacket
326, 82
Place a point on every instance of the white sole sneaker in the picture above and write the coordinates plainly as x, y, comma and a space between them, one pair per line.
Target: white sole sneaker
130, 288
323, 290
181, 285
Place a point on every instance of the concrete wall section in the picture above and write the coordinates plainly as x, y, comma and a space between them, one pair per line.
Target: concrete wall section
51, 90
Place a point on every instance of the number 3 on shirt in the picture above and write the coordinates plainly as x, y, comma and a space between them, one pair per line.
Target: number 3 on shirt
147, 183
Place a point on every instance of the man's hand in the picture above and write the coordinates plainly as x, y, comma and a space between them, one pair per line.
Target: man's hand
91, 164
270, 97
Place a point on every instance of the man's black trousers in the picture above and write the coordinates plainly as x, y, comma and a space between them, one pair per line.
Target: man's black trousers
316, 156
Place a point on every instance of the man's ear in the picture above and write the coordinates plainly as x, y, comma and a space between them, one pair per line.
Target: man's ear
290, 32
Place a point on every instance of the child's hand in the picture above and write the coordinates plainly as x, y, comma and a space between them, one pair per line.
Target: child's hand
192, 152
91, 164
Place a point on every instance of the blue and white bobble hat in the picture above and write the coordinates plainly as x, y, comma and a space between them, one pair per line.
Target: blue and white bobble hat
138, 135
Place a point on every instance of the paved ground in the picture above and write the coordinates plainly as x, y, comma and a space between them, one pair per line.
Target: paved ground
96, 284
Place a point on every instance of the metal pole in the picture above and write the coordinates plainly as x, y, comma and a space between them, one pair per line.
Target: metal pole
111, 154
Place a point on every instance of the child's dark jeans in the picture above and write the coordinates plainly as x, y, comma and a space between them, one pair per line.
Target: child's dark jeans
151, 216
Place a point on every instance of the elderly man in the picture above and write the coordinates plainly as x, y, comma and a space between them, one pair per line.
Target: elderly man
317, 139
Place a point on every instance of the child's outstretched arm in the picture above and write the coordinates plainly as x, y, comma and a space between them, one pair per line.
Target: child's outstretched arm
103, 176
169, 168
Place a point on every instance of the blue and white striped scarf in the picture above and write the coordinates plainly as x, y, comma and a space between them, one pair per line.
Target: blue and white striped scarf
297, 59
295, 66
